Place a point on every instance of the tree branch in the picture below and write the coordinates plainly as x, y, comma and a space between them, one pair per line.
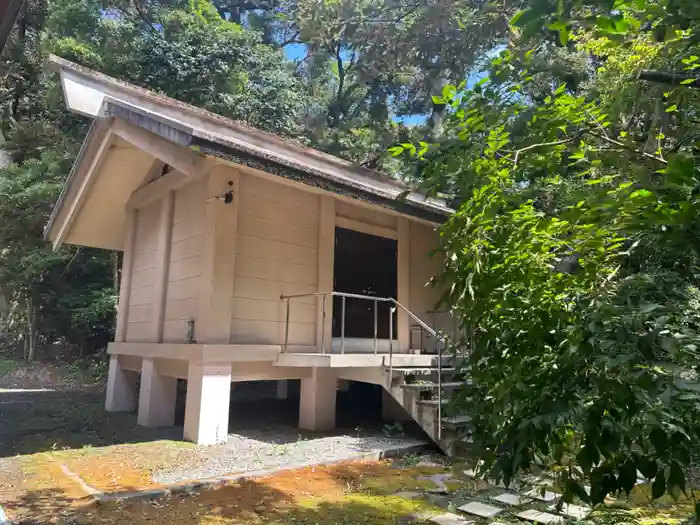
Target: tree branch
625, 146
673, 79
543, 145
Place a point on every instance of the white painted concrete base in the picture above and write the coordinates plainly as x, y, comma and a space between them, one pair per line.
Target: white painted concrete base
207, 404
392, 410
317, 400
121, 388
156, 397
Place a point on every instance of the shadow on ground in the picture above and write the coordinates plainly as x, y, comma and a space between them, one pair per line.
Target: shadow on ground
309, 496
37, 421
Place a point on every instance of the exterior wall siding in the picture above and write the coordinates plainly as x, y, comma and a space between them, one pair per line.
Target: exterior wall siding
184, 277
141, 299
423, 297
366, 215
276, 254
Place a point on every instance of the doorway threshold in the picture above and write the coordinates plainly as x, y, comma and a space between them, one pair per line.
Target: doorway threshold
362, 345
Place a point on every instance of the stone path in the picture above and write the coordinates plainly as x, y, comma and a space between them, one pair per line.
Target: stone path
474, 502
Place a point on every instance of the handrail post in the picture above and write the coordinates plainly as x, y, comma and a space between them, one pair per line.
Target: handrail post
323, 326
286, 329
439, 411
375, 327
342, 328
391, 341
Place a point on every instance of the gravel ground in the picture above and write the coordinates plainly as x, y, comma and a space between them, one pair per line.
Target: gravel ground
277, 447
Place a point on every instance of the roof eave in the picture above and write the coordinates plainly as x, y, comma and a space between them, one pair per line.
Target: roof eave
96, 95
98, 130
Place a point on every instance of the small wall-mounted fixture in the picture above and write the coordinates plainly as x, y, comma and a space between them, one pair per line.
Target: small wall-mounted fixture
190, 335
227, 196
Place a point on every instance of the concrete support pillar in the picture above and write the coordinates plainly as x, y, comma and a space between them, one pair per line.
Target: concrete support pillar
317, 400
121, 388
392, 409
207, 404
282, 389
156, 397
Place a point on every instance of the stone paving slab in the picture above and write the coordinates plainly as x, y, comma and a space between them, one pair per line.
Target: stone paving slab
539, 517
480, 509
450, 519
509, 498
409, 494
439, 480
571, 510
546, 496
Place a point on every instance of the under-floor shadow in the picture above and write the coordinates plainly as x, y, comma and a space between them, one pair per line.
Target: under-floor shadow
36, 421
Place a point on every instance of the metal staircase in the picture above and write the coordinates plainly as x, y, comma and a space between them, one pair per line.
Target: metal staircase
422, 391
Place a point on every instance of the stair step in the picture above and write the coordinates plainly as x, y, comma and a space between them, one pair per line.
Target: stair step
456, 421
421, 370
430, 386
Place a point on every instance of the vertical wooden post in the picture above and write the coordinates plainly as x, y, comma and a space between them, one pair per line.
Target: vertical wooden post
165, 235
403, 283
125, 281
218, 257
326, 251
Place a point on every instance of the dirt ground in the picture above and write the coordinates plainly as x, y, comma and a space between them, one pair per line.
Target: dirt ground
44, 434
352, 492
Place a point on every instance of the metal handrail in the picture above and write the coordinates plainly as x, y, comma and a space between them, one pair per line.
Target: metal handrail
376, 300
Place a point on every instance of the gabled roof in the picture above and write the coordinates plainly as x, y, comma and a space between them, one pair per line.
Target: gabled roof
104, 98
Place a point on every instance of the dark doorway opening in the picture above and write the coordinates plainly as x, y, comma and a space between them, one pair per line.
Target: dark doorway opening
366, 265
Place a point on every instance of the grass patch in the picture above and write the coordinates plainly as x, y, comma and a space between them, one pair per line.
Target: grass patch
7, 365
359, 509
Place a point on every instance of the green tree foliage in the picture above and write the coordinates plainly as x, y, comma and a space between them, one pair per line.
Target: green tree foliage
61, 296
572, 261
184, 50
361, 67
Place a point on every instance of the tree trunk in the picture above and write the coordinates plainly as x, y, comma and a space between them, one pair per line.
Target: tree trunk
437, 116
654, 129
31, 331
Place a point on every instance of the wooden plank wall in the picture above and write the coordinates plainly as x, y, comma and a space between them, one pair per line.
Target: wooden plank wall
276, 254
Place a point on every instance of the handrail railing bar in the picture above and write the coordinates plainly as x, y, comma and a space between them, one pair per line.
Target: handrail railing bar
416, 319
392, 310
413, 316
339, 294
